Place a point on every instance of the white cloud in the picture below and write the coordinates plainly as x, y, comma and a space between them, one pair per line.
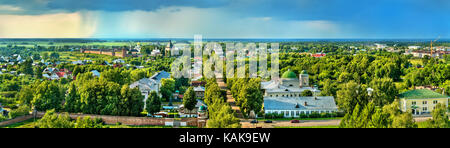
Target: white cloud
211, 23
6, 8
61, 25
170, 22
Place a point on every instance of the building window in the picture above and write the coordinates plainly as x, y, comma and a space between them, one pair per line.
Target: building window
424, 102
435, 101
292, 113
413, 102
425, 109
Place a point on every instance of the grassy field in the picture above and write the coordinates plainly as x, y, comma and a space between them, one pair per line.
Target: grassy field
76, 55
25, 124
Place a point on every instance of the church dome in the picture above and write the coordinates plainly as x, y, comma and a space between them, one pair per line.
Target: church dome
202, 108
289, 75
304, 72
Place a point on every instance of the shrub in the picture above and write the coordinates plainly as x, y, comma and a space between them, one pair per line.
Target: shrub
21, 111
2, 118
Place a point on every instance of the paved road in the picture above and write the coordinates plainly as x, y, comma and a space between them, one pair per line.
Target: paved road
334, 122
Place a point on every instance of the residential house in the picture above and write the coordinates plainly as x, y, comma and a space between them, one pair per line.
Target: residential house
147, 85
200, 109
95, 73
199, 91
420, 101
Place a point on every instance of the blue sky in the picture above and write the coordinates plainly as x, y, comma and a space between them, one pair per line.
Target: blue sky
225, 18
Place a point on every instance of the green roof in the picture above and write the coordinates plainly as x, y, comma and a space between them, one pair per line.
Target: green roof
289, 74
421, 94
304, 72
202, 108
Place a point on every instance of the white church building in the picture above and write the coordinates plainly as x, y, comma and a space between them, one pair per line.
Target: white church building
283, 96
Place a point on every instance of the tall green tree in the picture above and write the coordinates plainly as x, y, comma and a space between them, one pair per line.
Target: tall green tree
221, 116
350, 95
48, 96
167, 89
189, 100
384, 91
153, 103
440, 117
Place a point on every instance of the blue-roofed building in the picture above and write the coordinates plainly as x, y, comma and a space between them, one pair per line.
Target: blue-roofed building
284, 96
147, 85
294, 106
95, 73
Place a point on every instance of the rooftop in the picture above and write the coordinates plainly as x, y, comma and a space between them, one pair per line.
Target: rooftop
289, 75
298, 103
421, 94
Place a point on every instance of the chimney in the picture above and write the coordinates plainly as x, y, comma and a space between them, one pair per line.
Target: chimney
305, 104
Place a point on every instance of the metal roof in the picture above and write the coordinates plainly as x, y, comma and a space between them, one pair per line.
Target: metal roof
291, 103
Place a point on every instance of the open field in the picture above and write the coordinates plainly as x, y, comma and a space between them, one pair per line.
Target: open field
76, 55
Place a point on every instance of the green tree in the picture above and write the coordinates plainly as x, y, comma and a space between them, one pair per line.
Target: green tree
440, 117
221, 116
384, 91
136, 75
72, 100
153, 103
53, 120
189, 100
350, 95
250, 97
87, 122
26, 67
307, 93
48, 96
25, 95
167, 89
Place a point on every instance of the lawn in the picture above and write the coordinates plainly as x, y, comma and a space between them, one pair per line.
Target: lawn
76, 55
24, 124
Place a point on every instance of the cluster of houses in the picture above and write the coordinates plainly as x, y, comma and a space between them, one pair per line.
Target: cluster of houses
418, 51
147, 85
10, 60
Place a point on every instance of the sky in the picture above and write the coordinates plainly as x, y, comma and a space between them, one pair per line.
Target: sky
374, 19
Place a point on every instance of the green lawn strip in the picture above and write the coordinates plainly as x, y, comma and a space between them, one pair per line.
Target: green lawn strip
24, 124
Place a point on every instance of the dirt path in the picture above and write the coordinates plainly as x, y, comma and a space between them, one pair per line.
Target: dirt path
230, 99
